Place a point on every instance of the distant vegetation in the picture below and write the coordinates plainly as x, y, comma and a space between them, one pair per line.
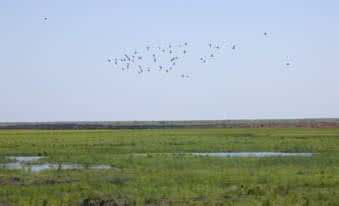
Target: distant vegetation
273, 123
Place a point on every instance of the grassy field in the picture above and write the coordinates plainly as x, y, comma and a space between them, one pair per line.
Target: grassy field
159, 178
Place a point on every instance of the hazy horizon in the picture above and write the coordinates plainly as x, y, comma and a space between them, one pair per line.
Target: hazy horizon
57, 69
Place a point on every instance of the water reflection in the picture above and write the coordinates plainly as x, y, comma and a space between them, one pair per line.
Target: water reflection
26, 163
252, 154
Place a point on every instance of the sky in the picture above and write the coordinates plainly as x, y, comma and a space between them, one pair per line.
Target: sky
57, 70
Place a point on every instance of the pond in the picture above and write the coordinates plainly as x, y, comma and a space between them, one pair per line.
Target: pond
27, 163
252, 154
30, 163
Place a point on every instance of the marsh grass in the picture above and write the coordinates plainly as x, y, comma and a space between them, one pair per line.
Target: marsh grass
158, 179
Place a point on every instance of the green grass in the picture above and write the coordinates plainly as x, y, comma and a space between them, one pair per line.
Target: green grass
157, 179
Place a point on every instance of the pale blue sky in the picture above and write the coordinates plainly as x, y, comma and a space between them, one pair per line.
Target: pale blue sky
56, 70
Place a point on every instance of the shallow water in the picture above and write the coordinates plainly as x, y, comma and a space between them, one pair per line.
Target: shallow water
39, 167
252, 154
26, 163
25, 158
233, 154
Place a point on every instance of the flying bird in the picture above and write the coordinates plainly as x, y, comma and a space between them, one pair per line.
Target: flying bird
203, 60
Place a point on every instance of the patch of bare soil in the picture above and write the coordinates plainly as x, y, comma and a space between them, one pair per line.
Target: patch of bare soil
158, 202
53, 181
108, 202
10, 181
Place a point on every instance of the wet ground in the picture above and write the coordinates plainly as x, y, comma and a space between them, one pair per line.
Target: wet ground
29, 163
234, 154
253, 154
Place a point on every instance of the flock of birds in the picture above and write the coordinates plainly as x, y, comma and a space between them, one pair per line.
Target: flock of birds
164, 59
